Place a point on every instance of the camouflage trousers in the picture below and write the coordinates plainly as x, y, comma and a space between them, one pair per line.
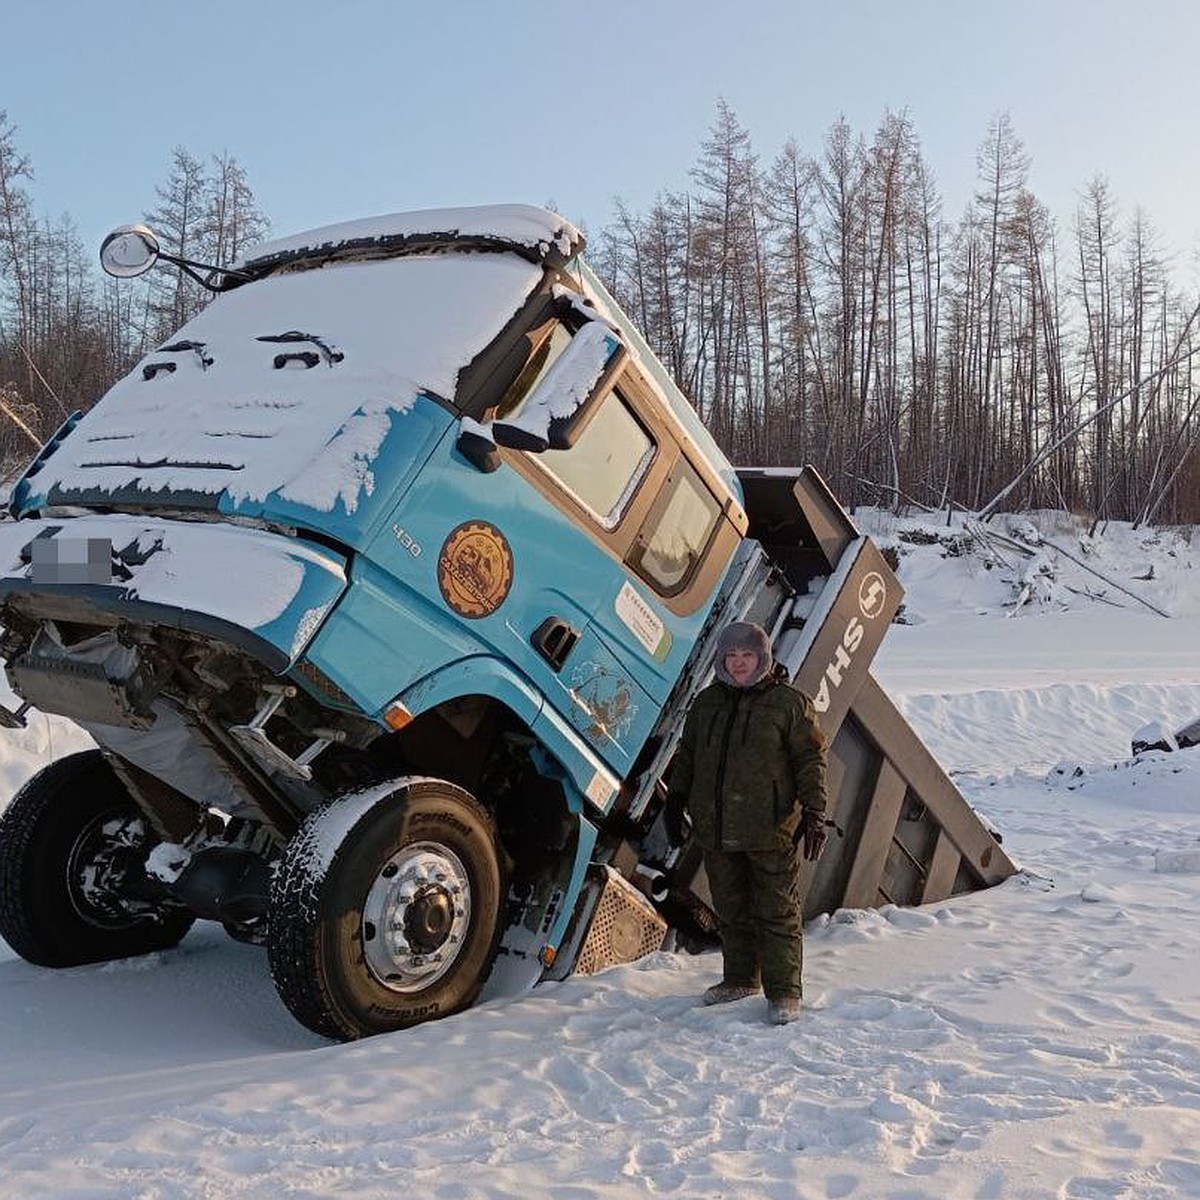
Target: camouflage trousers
760, 913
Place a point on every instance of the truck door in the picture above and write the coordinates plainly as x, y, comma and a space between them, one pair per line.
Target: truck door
588, 568
643, 538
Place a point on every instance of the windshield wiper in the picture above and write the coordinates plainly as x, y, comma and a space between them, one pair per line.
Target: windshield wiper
294, 335
196, 347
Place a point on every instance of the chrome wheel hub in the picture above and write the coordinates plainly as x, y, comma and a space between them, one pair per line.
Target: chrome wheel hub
415, 917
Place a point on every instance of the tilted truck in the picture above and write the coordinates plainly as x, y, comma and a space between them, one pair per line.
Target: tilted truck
383, 588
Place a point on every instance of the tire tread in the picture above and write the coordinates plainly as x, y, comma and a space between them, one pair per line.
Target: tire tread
60, 791
293, 933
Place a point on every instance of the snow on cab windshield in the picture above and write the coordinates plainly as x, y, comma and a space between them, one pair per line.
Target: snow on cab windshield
234, 404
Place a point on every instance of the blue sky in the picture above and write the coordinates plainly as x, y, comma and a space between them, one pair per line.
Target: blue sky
350, 109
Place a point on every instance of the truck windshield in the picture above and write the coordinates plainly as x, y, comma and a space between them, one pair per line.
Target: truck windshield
289, 364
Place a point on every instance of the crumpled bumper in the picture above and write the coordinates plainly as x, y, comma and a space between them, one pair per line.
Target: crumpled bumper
260, 590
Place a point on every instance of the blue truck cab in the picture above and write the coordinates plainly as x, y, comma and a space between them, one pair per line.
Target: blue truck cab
382, 588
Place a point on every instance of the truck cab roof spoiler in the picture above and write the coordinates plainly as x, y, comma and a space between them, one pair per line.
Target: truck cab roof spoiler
535, 234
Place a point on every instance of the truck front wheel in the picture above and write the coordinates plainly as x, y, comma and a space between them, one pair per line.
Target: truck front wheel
385, 909
72, 889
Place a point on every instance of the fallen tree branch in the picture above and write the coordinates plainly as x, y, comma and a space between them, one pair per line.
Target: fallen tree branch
982, 533
45, 383
12, 416
1105, 578
1088, 594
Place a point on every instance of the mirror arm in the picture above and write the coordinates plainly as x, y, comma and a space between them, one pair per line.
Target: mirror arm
191, 269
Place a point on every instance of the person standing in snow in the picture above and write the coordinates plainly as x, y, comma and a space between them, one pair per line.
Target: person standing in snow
750, 772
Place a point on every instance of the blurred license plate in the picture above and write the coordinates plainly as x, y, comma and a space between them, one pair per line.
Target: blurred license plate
71, 560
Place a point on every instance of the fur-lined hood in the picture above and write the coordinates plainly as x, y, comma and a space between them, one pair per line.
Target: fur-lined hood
744, 635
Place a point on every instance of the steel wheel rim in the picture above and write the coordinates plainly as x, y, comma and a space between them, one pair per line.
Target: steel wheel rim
416, 916
96, 870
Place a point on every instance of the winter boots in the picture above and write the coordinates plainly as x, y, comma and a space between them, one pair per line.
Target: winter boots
723, 993
783, 1010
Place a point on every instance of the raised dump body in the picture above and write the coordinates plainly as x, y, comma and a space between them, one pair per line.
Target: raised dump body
383, 587
906, 834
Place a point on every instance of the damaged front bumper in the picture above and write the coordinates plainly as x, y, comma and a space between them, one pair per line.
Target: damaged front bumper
259, 591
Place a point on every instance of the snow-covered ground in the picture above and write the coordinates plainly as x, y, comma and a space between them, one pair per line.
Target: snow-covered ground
1041, 1039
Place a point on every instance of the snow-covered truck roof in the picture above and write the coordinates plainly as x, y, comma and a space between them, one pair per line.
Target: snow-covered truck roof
536, 234
241, 402
285, 388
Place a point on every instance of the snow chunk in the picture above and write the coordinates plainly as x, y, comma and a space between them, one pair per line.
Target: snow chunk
1098, 893
908, 918
167, 861
582, 306
1154, 735
342, 470
567, 383
1177, 862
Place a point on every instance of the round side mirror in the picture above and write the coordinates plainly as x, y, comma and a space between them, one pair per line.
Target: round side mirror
128, 251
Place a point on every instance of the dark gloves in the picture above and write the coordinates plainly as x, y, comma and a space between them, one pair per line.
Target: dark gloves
673, 815
810, 835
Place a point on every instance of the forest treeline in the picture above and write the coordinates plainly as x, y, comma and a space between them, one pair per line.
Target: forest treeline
819, 308
823, 308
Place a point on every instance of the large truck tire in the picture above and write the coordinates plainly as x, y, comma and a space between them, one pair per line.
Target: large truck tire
385, 909
72, 846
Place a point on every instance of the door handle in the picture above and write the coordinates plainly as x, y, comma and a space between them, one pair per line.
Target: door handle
554, 639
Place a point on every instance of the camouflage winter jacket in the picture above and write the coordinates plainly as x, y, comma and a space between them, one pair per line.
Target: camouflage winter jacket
749, 760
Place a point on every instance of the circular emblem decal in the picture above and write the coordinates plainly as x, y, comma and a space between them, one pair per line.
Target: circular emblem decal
872, 592
475, 569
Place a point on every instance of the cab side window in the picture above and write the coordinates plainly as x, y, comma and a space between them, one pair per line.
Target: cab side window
677, 531
607, 462
618, 445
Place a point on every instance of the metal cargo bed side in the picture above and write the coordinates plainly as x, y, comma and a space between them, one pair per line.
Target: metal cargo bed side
905, 833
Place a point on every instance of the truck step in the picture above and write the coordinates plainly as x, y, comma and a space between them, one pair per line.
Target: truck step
254, 737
